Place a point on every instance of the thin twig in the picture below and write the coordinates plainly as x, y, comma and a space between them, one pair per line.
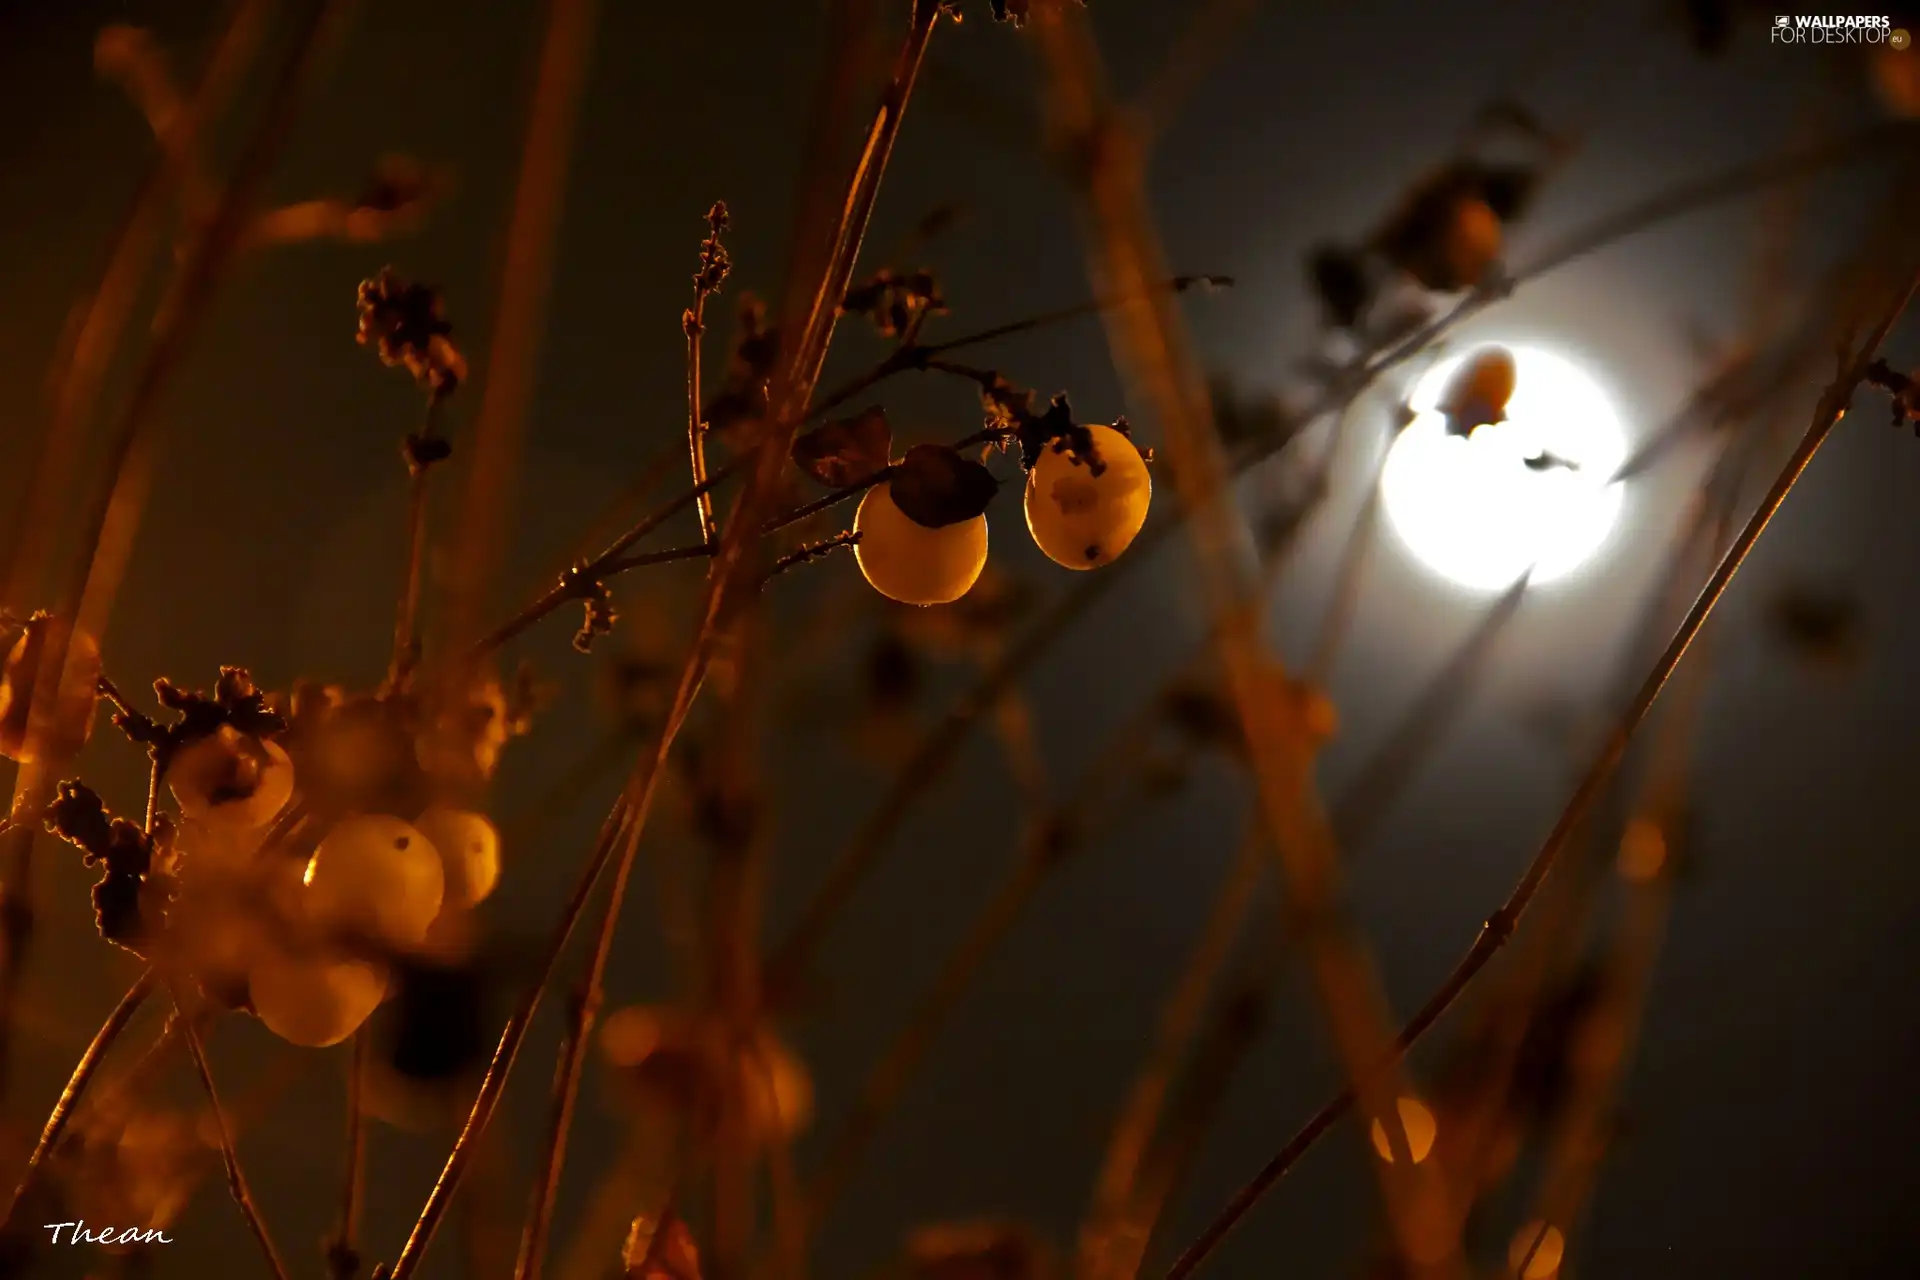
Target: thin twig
229, 1155
494, 1082
706, 281
342, 1250
1113, 1237
554, 597
566, 1082
1500, 926
406, 638
814, 551
1345, 599
1151, 349
1370, 796
889, 1075
77, 1082
639, 560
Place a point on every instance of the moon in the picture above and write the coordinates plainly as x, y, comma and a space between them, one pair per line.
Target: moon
1532, 492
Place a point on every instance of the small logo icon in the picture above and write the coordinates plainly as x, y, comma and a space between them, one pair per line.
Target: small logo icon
1781, 20
1899, 38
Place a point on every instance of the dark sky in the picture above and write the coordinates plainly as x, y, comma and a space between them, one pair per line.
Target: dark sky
1772, 1104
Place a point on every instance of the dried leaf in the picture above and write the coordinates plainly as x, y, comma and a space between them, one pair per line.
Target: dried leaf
1547, 460
895, 301
846, 451
1339, 279
662, 1249
934, 486
1445, 232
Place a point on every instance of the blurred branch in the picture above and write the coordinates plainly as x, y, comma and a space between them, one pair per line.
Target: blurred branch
75, 383
230, 1157
76, 1087
1369, 797
520, 313
625, 822
1113, 1237
1150, 350
341, 1249
1347, 578
1501, 924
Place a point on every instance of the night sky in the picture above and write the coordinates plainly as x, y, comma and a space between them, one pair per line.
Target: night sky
1771, 1105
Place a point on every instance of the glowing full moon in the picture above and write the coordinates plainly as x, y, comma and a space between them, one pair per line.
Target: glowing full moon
1530, 491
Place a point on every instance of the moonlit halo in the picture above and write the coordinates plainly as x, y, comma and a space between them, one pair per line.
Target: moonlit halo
1473, 512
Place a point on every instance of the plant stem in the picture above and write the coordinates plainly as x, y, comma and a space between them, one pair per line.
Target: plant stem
554, 597
494, 1083
229, 1155
694, 324
343, 1256
703, 551
889, 1076
566, 1081
1369, 796
1154, 357
813, 551
1499, 927
917, 356
406, 639
82, 1076
1113, 1238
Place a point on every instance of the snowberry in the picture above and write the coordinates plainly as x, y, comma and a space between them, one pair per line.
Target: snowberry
375, 874
313, 999
231, 780
1467, 245
29, 733
1478, 393
469, 849
1420, 1126
1082, 519
1539, 1248
911, 563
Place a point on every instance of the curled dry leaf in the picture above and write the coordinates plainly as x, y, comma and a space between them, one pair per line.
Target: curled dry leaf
1339, 279
660, 1249
1446, 232
934, 486
847, 450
